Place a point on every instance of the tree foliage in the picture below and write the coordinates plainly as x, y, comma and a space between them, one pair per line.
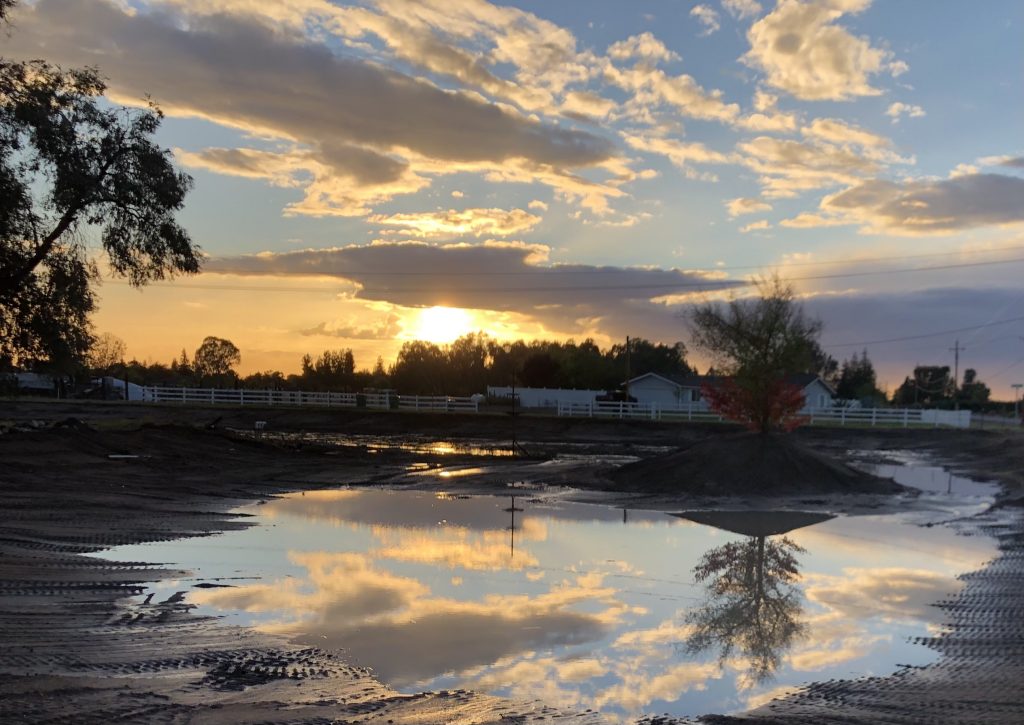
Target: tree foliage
73, 169
107, 351
215, 359
857, 380
930, 386
757, 343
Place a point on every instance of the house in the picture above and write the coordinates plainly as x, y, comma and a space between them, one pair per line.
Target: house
669, 391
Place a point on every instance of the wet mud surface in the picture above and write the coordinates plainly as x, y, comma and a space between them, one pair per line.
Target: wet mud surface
76, 649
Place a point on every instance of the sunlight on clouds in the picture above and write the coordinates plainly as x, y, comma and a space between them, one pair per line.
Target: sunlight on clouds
804, 52
452, 223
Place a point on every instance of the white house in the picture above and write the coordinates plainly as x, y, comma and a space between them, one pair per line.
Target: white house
671, 390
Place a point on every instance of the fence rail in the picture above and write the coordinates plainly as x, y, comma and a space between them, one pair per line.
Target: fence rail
376, 401
903, 417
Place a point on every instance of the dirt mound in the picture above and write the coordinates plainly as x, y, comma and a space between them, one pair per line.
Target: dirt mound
745, 464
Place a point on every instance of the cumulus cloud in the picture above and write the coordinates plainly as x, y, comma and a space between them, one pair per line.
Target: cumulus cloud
926, 206
802, 50
681, 153
453, 223
787, 167
651, 88
756, 226
840, 132
745, 205
742, 9
707, 17
356, 124
644, 47
384, 329
898, 110
587, 105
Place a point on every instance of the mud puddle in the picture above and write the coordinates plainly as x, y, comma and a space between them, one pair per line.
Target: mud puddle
626, 612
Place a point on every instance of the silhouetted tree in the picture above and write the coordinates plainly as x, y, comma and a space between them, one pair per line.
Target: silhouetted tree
71, 165
930, 385
540, 370
106, 351
857, 381
973, 392
215, 359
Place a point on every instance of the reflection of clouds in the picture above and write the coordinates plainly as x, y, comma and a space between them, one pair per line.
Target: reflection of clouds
338, 585
638, 689
452, 547
393, 625
892, 593
835, 638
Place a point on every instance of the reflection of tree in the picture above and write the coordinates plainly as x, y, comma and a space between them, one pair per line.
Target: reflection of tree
752, 606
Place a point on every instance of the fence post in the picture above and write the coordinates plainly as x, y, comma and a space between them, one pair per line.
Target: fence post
874, 415
842, 417
906, 417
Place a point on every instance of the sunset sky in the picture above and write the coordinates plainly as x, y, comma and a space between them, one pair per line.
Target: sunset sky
572, 169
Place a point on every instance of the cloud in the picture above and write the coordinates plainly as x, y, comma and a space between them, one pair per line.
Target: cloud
756, 226
898, 110
355, 125
385, 329
788, 167
453, 223
802, 51
808, 220
742, 9
538, 205
680, 153
889, 593
463, 275
707, 17
652, 88
926, 206
587, 105
1010, 162
840, 132
745, 205
341, 181
643, 47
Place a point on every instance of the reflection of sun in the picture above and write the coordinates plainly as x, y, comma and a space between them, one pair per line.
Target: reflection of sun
442, 324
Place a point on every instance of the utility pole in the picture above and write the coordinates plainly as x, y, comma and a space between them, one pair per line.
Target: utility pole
1016, 399
956, 373
628, 346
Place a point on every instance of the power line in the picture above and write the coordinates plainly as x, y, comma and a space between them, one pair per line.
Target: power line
928, 334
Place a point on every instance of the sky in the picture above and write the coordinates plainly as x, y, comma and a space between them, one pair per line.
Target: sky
371, 173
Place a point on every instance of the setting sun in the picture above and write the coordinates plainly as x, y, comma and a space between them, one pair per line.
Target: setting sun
442, 324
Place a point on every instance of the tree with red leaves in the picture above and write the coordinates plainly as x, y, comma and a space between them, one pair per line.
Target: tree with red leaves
757, 343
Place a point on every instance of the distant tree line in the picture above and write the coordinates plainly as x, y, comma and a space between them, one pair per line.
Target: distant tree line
472, 362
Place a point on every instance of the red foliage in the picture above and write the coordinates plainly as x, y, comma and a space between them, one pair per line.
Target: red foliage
774, 406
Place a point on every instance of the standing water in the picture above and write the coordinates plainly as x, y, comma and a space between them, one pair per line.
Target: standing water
627, 612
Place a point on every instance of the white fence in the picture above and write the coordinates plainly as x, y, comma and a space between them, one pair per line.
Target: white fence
543, 397
377, 401
903, 417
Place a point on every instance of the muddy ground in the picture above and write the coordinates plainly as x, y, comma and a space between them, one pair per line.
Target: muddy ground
74, 648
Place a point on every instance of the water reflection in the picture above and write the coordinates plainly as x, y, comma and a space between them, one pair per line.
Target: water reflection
530, 597
753, 607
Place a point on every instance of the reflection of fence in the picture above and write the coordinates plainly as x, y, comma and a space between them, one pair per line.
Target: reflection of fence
903, 417
377, 401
